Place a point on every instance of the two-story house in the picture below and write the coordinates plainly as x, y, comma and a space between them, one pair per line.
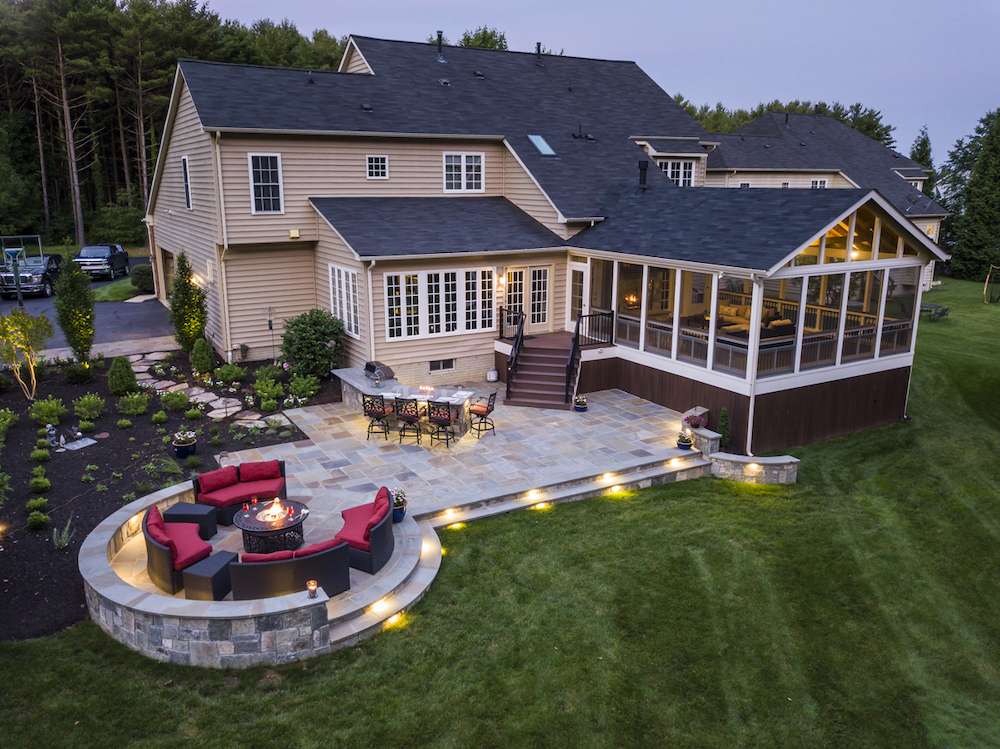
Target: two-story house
446, 203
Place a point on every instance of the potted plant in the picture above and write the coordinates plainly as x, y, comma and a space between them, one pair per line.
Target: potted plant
580, 403
185, 443
398, 505
684, 441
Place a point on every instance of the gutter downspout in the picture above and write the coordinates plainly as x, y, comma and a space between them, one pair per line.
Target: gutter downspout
371, 312
223, 287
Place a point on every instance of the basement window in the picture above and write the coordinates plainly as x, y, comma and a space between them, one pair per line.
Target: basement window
542, 145
442, 365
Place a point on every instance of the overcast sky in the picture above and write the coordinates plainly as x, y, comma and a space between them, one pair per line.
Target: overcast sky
919, 61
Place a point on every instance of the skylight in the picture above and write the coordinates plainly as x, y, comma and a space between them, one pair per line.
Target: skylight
542, 145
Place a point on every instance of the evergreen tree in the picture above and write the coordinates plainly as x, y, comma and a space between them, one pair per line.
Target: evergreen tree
920, 152
953, 177
484, 37
75, 310
978, 228
187, 306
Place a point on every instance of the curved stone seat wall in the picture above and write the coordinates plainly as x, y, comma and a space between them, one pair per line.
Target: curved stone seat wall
220, 634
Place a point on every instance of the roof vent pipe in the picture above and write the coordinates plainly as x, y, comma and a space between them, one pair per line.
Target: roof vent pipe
309, 77
538, 53
786, 119
643, 166
440, 42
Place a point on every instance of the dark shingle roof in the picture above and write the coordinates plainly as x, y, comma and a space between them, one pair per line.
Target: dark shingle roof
751, 229
675, 145
820, 143
385, 227
512, 97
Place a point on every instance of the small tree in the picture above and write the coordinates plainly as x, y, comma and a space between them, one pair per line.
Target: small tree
75, 310
121, 378
313, 342
920, 152
22, 337
187, 306
202, 358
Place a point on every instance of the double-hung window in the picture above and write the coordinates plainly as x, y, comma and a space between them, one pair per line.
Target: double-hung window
679, 171
186, 176
344, 298
265, 183
438, 302
539, 295
464, 172
378, 167
818, 184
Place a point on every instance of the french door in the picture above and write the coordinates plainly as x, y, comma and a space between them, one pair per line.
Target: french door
529, 290
578, 292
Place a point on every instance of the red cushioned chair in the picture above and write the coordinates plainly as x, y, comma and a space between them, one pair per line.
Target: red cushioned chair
228, 488
170, 547
283, 572
368, 532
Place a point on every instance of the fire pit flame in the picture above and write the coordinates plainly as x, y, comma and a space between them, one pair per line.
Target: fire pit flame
273, 512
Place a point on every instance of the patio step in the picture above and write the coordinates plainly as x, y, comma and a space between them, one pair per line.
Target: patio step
671, 465
541, 372
537, 403
553, 357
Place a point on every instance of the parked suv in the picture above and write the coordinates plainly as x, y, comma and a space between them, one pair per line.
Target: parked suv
38, 275
103, 260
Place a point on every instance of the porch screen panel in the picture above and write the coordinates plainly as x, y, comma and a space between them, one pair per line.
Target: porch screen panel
822, 321
601, 281
888, 243
733, 308
900, 304
778, 326
864, 235
628, 308
539, 295
808, 256
864, 290
660, 311
692, 338
486, 308
836, 243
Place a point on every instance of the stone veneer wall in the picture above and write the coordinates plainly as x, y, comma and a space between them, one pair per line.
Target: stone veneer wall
216, 634
783, 469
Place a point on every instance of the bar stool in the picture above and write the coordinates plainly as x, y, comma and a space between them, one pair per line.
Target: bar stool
376, 411
408, 414
480, 412
439, 415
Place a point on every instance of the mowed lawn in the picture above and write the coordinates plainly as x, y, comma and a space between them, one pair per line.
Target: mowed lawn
860, 608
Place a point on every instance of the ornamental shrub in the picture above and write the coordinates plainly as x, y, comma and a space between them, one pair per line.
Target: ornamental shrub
187, 306
37, 520
133, 404
142, 278
79, 374
75, 310
89, 406
202, 357
303, 386
160, 417
268, 405
123, 424
193, 413
269, 372
230, 373
86, 426
42, 443
39, 504
313, 342
48, 410
40, 484
174, 400
724, 427
39, 455
121, 378
268, 389
7, 419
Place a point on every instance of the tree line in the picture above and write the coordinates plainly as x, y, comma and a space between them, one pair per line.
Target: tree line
84, 89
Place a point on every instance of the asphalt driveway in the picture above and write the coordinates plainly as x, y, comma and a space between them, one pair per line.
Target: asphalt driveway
113, 321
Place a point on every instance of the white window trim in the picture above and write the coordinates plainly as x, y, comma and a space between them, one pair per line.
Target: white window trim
281, 185
424, 310
348, 306
441, 369
818, 184
681, 163
186, 183
745, 185
368, 174
464, 155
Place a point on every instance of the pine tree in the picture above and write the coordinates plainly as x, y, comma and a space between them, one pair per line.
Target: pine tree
484, 37
187, 306
953, 177
75, 310
978, 228
920, 152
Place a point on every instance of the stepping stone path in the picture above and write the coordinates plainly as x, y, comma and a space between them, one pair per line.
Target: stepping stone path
201, 397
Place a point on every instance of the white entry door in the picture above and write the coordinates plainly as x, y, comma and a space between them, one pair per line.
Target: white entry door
529, 290
578, 292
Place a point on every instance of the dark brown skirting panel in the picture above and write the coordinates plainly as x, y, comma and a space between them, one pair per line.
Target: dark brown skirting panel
830, 409
500, 364
670, 390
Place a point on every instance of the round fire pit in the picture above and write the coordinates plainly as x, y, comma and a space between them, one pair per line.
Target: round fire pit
272, 526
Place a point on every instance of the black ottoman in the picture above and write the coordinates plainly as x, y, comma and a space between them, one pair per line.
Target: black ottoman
208, 580
188, 512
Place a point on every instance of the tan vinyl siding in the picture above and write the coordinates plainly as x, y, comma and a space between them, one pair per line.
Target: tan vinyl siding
521, 190
773, 179
355, 62
259, 278
195, 231
331, 250
333, 167
412, 355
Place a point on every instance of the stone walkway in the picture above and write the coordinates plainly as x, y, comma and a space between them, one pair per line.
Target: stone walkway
118, 348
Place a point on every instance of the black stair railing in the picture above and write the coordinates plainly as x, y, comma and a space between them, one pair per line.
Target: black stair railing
596, 329
515, 320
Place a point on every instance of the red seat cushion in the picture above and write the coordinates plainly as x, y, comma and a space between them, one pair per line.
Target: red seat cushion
375, 519
316, 548
265, 489
358, 514
264, 469
479, 408
354, 535
157, 530
209, 482
382, 498
274, 556
189, 546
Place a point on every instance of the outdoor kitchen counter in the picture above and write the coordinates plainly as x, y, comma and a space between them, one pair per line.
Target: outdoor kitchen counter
355, 384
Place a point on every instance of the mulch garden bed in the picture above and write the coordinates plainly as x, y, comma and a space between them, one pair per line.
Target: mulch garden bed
40, 586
